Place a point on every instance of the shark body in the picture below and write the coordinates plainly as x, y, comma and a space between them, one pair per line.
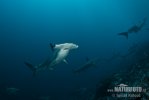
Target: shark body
133, 29
60, 52
88, 64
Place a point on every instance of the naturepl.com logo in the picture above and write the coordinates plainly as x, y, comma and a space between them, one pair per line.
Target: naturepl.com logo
124, 91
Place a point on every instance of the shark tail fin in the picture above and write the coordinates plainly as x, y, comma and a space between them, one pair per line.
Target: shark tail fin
124, 34
33, 69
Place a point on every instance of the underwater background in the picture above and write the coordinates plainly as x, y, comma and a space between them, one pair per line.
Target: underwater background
27, 27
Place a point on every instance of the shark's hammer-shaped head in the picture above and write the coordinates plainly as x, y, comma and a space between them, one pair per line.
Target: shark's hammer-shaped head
66, 46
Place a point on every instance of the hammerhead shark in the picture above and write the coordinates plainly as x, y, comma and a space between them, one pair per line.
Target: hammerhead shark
134, 29
89, 63
60, 52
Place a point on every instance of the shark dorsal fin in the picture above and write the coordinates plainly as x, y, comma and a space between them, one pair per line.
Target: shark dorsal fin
52, 46
65, 61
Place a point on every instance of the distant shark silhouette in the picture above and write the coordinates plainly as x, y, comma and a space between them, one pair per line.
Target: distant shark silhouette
89, 63
12, 91
60, 52
133, 29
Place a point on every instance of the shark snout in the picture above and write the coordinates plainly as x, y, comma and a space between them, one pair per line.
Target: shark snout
75, 46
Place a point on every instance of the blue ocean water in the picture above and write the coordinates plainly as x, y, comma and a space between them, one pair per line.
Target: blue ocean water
27, 27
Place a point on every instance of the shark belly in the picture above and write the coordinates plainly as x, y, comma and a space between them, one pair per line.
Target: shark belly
60, 56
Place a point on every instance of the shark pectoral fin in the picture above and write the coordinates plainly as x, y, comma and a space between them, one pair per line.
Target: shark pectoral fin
65, 61
52, 46
29, 65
